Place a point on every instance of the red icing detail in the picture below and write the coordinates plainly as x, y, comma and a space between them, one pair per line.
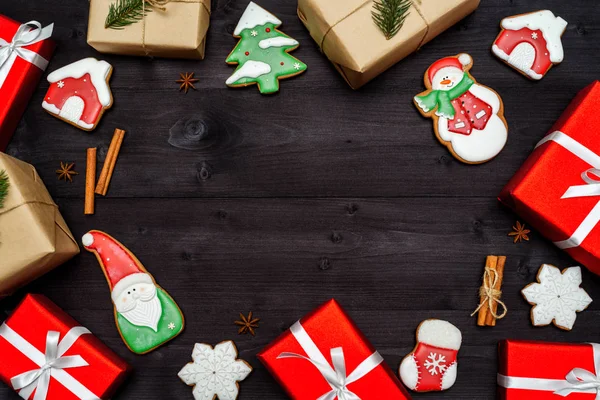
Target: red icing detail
83, 88
466, 107
427, 381
508, 40
247, 53
282, 63
268, 29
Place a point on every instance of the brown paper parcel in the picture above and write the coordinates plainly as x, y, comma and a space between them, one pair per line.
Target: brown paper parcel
34, 237
177, 32
346, 33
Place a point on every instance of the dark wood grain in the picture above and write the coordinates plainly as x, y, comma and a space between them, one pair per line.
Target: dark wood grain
316, 192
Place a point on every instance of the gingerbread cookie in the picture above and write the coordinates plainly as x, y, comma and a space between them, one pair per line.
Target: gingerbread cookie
79, 93
468, 118
531, 43
432, 365
146, 316
262, 52
215, 372
556, 297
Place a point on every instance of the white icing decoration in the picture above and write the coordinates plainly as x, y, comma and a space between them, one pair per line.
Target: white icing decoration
54, 110
297, 66
464, 59
409, 372
514, 61
480, 114
251, 69
72, 110
459, 125
215, 372
439, 333
61, 84
557, 296
449, 376
254, 16
551, 27
279, 41
435, 364
98, 70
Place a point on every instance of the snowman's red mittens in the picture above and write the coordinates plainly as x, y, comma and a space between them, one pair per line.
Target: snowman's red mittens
432, 365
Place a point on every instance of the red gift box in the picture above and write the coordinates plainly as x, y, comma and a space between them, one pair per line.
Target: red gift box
557, 189
325, 356
43, 349
25, 50
530, 370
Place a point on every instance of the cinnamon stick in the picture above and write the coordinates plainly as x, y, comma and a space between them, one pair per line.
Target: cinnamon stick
90, 178
110, 161
490, 319
490, 262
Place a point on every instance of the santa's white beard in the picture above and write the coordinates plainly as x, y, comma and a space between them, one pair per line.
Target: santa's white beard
145, 313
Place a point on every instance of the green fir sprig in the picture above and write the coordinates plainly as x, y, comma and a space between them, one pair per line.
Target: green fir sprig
389, 15
126, 12
4, 184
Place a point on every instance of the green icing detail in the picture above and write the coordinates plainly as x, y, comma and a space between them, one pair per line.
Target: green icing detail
142, 339
274, 56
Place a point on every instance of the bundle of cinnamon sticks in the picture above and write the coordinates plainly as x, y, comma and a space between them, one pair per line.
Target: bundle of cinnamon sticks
490, 292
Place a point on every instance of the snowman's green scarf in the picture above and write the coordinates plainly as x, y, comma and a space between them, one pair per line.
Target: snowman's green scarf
442, 99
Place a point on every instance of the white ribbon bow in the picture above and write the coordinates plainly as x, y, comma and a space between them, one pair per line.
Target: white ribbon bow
52, 364
336, 376
25, 36
590, 189
578, 380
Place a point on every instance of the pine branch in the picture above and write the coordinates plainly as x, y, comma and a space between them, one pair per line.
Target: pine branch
3, 187
126, 12
389, 15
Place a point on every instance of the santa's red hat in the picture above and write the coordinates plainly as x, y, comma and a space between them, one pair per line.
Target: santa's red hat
122, 270
460, 61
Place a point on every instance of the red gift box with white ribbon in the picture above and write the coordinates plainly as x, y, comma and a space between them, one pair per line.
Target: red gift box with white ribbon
25, 50
557, 190
530, 370
46, 355
325, 356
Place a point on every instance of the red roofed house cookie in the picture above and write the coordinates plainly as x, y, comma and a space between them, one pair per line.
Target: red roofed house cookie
531, 43
146, 316
79, 93
468, 118
432, 365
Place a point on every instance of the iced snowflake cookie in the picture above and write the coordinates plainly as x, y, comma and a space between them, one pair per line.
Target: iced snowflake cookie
146, 316
468, 118
215, 373
262, 52
556, 297
531, 43
79, 93
432, 365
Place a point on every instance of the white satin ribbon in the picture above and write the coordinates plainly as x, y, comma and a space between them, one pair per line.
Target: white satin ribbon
52, 364
25, 36
336, 376
578, 380
590, 189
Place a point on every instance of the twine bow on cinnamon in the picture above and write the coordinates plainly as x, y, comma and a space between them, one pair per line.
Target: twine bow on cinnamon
490, 293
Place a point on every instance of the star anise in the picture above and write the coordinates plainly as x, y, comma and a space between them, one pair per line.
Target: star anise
247, 324
519, 233
66, 171
187, 81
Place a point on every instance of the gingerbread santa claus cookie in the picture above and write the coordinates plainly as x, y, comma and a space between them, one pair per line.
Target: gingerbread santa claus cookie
432, 365
468, 118
146, 316
79, 93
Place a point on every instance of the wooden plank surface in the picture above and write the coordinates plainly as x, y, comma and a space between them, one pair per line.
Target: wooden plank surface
316, 192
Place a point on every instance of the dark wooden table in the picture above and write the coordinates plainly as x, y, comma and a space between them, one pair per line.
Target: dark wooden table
317, 192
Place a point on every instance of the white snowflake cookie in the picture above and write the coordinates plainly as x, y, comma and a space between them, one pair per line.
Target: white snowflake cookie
556, 297
432, 365
215, 373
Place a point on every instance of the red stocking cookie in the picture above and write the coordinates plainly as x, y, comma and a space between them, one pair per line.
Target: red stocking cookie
79, 93
468, 118
432, 365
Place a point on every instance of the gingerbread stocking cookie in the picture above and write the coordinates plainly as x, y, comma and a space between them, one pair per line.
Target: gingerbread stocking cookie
432, 365
468, 118
146, 316
79, 93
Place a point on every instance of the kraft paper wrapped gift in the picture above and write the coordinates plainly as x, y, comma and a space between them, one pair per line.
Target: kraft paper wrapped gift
178, 31
34, 237
347, 35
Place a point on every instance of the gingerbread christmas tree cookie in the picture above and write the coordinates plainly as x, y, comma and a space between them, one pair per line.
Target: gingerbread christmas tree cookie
146, 316
79, 93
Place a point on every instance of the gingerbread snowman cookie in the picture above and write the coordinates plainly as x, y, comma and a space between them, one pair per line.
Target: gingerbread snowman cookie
432, 365
146, 316
468, 118
79, 93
